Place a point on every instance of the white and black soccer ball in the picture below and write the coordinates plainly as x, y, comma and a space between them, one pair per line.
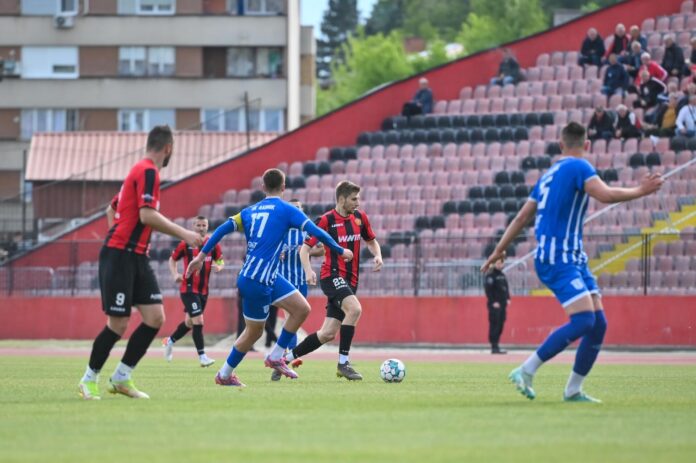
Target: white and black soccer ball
392, 371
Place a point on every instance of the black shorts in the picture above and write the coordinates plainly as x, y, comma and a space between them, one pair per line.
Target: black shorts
336, 290
194, 304
126, 279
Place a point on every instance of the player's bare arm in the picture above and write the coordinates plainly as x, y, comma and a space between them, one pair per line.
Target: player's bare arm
523, 217
218, 265
602, 192
178, 277
376, 251
317, 251
311, 276
157, 221
110, 215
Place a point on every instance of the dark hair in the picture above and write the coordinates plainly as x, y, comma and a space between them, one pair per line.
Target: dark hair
200, 217
345, 189
573, 135
294, 200
273, 179
159, 137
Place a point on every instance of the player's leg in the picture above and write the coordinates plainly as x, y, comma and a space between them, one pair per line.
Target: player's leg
566, 282
148, 300
116, 274
256, 298
270, 326
353, 310
181, 330
589, 347
197, 323
329, 329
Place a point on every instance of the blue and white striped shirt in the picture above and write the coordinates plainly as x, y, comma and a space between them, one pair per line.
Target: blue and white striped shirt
561, 205
291, 267
265, 225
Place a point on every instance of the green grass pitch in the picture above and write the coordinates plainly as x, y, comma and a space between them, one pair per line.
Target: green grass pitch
442, 412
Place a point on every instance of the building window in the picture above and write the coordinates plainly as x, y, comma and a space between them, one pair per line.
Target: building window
38, 7
146, 7
159, 7
140, 61
67, 6
50, 63
264, 7
255, 62
48, 120
142, 120
233, 120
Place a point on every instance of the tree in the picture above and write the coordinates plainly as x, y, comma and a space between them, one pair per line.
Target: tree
340, 20
369, 62
386, 16
491, 23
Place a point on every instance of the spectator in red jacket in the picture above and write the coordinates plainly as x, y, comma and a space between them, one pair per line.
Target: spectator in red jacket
619, 44
652, 67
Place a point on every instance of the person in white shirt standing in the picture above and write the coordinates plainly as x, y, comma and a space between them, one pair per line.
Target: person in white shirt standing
686, 120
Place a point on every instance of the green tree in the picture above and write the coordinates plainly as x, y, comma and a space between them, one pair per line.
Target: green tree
370, 61
340, 20
491, 23
436, 56
386, 16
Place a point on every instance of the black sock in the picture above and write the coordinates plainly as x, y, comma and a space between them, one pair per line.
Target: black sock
198, 339
101, 348
180, 332
347, 332
138, 344
310, 344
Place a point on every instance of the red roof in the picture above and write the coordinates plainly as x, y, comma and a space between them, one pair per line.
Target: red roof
109, 155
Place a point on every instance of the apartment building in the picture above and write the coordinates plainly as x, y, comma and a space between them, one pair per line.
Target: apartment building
130, 64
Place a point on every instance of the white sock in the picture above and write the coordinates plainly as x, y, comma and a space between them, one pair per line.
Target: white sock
532, 364
574, 384
90, 375
289, 357
202, 357
170, 341
225, 371
277, 352
342, 359
122, 372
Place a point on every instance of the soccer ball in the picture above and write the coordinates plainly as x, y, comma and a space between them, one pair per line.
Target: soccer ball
392, 371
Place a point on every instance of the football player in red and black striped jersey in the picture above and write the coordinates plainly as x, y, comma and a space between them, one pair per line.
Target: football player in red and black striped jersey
193, 291
339, 279
125, 276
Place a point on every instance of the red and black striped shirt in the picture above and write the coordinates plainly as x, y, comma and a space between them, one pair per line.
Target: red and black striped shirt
347, 231
141, 188
198, 282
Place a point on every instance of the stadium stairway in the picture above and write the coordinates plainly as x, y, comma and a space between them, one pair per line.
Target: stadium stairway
662, 231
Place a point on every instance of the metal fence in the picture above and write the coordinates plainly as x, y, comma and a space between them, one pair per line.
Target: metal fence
662, 263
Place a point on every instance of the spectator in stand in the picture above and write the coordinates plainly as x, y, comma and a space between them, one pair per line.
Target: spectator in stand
692, 58
665, 119
649, 91
509, 70
673, 59
592, 49
636, 36
632, 60
619, 43
422, 102
601, 125
652, 67
626, 125
615, 78
686, 119
684, 100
